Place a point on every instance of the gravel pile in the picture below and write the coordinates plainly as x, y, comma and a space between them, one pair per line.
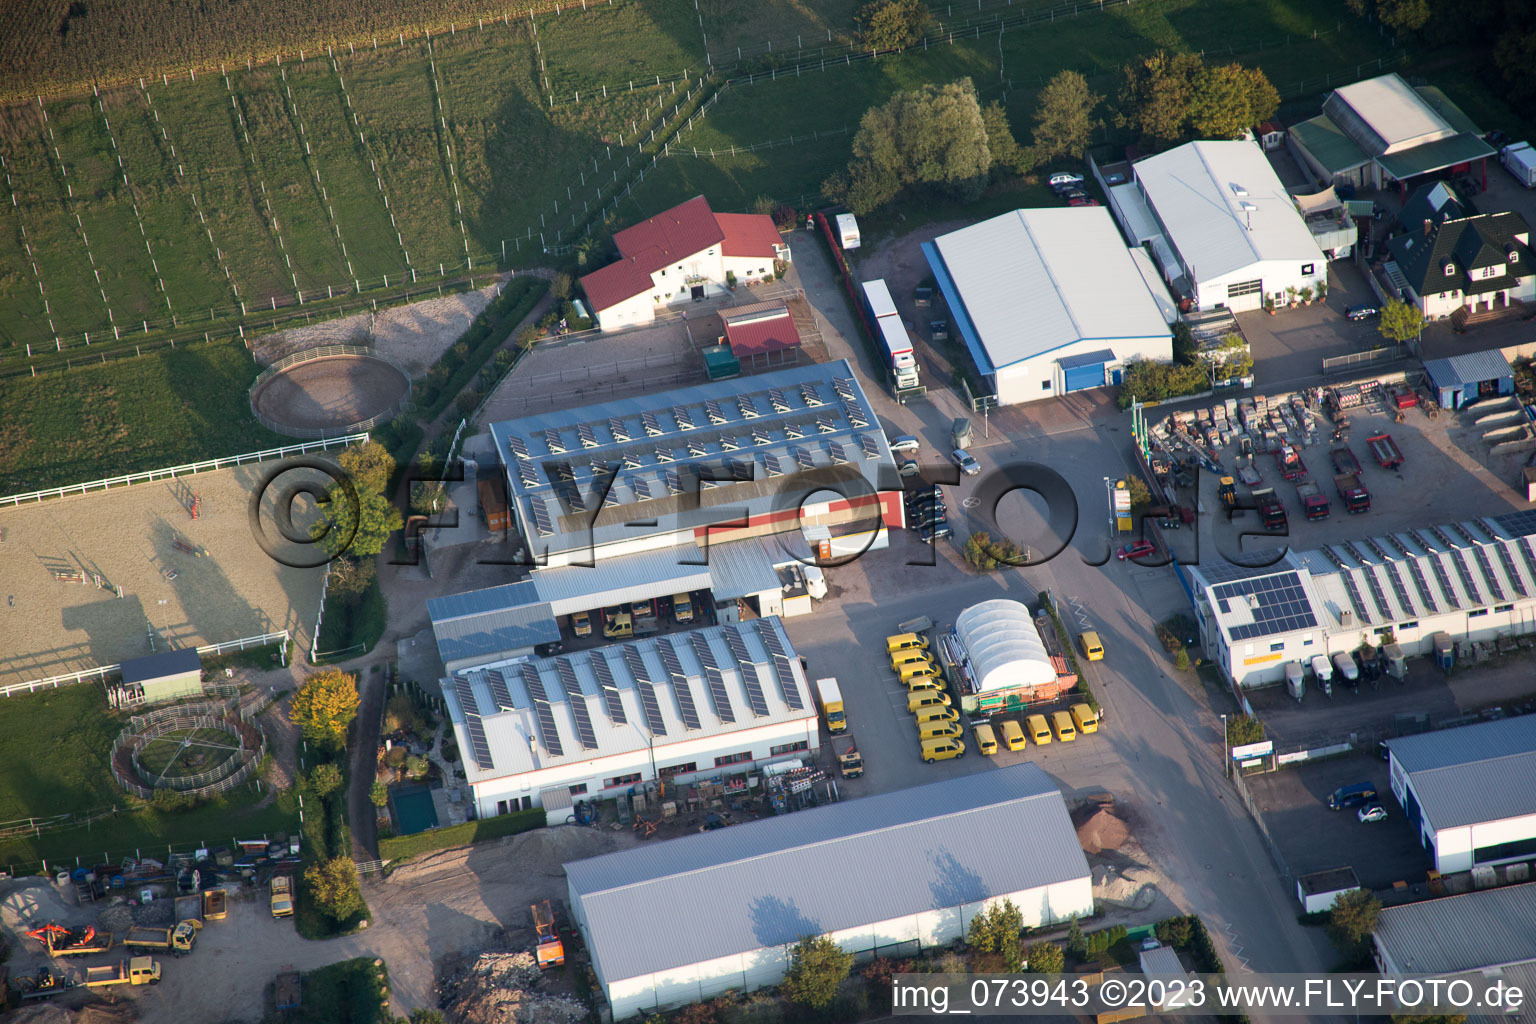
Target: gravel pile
502, 988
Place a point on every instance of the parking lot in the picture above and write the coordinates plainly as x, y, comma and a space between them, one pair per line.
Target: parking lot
1294, 805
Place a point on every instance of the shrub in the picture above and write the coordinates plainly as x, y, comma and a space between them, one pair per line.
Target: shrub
1046, 958
817, 966
415, 766
1181, 660
396, 757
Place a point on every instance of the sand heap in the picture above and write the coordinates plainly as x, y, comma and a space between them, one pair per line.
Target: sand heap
1103, 831
502, 988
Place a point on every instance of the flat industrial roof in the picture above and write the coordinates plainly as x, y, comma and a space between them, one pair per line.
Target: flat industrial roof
1385, 115
1224, 208
1473, 774
859, 862
1490, 928
1034, 281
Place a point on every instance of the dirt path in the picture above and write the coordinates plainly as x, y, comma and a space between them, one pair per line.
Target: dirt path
364, 745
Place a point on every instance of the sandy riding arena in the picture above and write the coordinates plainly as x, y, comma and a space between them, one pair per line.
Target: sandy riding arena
333, 393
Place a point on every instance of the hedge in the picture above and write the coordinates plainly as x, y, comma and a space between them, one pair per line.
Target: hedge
399, 847
484, 336
1066, 643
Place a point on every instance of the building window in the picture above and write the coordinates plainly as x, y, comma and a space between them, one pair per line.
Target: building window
1307, 269
745, 755
578, 789
501, 807
1504, 851
622, 780
1045, 385
1277, 646
1505, 608
664, 273
1307, 642
788, 748
1409, 625
1477, 612
670, 770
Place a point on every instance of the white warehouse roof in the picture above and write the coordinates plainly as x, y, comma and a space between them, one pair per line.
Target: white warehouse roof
1224, 208
1394, 117
828, 869
1473, 774
1004, 646
1033, 281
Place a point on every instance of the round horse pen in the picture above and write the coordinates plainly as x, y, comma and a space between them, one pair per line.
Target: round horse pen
198, 750
329, 391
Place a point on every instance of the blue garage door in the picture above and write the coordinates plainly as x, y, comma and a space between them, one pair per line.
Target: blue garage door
1081, 372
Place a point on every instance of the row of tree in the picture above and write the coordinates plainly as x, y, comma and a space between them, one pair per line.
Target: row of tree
940, 139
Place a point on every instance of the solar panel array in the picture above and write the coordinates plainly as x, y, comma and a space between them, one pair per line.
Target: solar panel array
803, 457
714, 412
648, 421
619, 429
641, 488
749, 409
794, 430
518, 447
1422, 585
611, 700
761, 437
669, 658
1484, 564
497, 684
585, 733
646, 691
713, 678
674, 482
730, 444
771, 463
480, 747
541, 520
1354, 595
1444, 579
1524, 544
826, 424
542, 710
528, 474
1510, 569
1394, 574
665, 455
777, 400
855, 414
1281, 605
837, 452
870, 446
585, 435
781, 666
552, 439
683, 417
810, 395
1377, 594
844, 388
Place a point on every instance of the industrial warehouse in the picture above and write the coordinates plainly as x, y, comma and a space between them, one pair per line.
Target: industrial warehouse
927, 859
1424, 590
1457, 788
542, 732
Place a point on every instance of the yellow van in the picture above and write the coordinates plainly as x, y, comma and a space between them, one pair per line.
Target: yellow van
1085, 718
1065, 731
986, 740
937, 714
617, 624
937, 730
581, 623
927, 699
1039, 731
942, 749
1013, 736
923, 683
913, 669
1093, 647
905, 642
901, 658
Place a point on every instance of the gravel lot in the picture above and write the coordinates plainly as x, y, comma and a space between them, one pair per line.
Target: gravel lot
127, 535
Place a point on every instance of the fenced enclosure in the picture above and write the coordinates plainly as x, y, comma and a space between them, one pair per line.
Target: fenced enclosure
361, 379
229, 719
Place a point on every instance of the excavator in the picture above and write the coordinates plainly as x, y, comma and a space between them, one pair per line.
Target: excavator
551, 951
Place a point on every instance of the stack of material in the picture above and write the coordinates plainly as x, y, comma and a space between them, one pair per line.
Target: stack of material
500, 988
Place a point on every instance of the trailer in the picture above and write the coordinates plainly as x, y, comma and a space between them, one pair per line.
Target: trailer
288, 989
1519, 159
60, 941
215, 904
1385, 451
45, 984
189, 908
1344, 460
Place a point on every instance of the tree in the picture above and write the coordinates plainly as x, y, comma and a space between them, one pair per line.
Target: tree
1403, 15
1514, 55
334, 887
379, 793
1046, 958
1400, 321
1064, 118
352, 576
1077, 944
560, 288
817, 966
354, 521
1141, 497
368, 464
893, 24
996, 930
428, 495
325, 779
1353, 919
1230, 99
930, 137
1156, 96
325, 706
1243, 729
1007, 155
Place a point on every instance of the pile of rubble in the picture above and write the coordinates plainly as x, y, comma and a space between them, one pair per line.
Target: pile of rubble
503, 988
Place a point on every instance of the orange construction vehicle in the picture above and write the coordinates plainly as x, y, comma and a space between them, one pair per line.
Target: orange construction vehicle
551, 952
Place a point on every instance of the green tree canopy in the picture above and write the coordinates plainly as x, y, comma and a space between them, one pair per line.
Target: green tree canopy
1007, 155
334, 887
996, 930
1046, 958
368, 464
1064, 118
1243, 729
379, 793
1230, 99
325, 779
893, 24
931, 137
352, 576
1169, 98
354, 521
1400, 321
1353, 919
325, 706
817, 966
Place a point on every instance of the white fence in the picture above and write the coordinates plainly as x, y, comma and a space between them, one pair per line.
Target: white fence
186, 470
326, 352
69, 678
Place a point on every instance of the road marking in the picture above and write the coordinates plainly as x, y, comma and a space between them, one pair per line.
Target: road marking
1235, 946
1082, 613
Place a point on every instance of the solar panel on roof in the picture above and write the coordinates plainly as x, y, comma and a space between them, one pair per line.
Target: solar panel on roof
604, 675
665, 455
497, 684
771, 463
1377, 594
567, 673
518, 447
835, 449
541, 520
855, 414
648, 421
574, 499
1523, 545
787, 685
685, 706
646, 691
1278, 605
794, 430
474, 728
1517, 524
585, 434
674, 483
1481, 554
826, 424
1422, 585
528, 474
1395, 575
749, 409
777, 400
585, 733
803, 457
669, 657
552, 439
541, 709
729, 444
738, 646
760, 437
683, 417
714, 412
1444, 579
565, 472
696, 447
810, 395
844, 387
618, 429
1354, 595
640, 487
770, 637
871, 449
1356, 553
1465, 572
631, 460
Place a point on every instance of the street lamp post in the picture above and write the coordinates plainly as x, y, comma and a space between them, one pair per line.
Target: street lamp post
1226, 761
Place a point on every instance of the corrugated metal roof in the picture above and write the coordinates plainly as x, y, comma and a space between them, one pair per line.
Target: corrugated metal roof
1004, 646
1490, 928
1329, 145
834, 867
740, 568
1385, 115
1156, 287
1435, 156
1194, 190
632, 577
166, 663
1473, 774
505, 620
1469, 368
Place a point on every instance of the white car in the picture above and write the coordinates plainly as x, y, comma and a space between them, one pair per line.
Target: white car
1064, 179
905, 443
968, 465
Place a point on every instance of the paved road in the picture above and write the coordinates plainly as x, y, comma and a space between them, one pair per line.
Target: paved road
1161, 749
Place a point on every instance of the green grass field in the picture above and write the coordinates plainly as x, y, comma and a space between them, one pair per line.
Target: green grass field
162, 410
186, 752
54, 750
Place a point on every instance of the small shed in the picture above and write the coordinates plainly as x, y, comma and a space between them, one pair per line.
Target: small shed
1462, 380
169, 675
720, 363
1318, 891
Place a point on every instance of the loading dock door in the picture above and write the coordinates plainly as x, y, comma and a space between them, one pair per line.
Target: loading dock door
1081, 378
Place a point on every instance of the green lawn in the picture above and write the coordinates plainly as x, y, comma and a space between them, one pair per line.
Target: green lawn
131, 415
186, 752
54, 750
353, 992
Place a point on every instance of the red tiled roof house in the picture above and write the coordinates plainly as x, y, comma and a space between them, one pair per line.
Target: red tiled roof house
677, 256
